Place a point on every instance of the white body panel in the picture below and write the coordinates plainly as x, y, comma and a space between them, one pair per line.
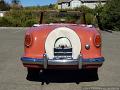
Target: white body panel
63, 32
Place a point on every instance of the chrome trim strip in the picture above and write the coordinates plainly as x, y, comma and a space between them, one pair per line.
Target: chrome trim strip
62, 62
45, 61
80, 61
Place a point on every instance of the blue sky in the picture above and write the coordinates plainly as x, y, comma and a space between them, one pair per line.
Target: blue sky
35, 2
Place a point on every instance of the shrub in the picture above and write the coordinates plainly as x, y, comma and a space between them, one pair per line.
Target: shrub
89, 18
20, 18
84, 9
110, 15
4, 22
27, 17
30, 22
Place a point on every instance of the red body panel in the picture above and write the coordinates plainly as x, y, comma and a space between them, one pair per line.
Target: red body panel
39, 34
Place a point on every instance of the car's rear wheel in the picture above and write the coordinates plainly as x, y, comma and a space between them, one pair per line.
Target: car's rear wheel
33, 74
92, 71
92, 74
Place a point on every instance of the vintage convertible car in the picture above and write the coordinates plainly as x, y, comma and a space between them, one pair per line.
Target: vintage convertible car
65, 42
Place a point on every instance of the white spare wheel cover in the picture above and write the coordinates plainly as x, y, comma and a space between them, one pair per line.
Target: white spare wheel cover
63, 32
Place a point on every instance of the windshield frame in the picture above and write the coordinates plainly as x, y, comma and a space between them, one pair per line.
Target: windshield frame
77, 13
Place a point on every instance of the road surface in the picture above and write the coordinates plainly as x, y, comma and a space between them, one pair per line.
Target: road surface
13, 74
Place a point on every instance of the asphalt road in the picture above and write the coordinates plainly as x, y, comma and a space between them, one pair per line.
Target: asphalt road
13, 74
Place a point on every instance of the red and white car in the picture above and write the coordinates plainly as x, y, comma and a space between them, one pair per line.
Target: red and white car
62, 44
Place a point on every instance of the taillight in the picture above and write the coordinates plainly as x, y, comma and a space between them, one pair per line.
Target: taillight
97, 41
28, 40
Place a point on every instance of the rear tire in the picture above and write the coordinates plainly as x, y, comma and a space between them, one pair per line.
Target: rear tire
92, 74
33, 74
92, 71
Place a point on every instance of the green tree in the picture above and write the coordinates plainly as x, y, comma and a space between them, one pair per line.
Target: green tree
84, 9
4, 6
16, 4
97, 12
110, 15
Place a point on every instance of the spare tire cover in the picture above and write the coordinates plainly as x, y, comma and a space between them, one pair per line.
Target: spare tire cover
62, 32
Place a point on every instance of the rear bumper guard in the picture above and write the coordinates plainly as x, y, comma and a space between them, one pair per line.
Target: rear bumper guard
79, 62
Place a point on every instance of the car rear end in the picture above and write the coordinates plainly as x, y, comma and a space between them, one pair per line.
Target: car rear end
61, 47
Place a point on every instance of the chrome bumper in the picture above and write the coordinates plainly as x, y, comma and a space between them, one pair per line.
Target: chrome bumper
46, 62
